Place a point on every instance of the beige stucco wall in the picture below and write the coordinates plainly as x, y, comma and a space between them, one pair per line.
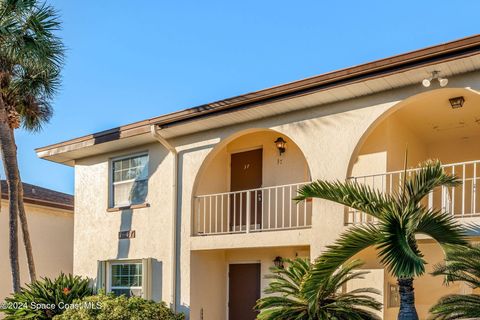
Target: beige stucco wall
51, 234
96, 230
428, 288
330, 138
211, 268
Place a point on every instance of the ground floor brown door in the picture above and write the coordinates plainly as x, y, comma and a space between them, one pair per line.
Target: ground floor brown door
245, 174
243, 290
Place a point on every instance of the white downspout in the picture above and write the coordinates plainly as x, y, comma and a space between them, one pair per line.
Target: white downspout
174, 153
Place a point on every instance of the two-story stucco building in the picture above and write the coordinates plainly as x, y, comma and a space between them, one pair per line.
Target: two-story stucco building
193, 207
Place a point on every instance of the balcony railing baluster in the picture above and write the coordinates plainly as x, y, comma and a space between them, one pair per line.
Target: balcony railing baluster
459, 201
269, 207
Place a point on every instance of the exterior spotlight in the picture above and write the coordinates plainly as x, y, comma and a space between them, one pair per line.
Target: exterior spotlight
278, 261
435, 75
281, 145
443, 82
457, 102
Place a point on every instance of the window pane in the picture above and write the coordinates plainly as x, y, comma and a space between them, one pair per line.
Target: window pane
121, 194
125, 164
126, 279
139, 192
135, 168
115, 270
142, 173
117, 165
125, 292
136, 281
116, 281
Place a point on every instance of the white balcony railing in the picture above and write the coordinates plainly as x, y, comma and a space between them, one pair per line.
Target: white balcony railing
255, 210
461, 201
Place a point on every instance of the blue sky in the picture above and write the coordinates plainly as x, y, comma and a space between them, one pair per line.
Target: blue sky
131, 60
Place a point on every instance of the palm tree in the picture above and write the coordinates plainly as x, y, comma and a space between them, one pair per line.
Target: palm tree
288, 301
400, 215
31, 57
462, 264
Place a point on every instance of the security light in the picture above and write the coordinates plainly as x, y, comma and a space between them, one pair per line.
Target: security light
435, 75
443, 82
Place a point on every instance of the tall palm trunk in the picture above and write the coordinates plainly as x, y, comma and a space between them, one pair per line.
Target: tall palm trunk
407, 300
23, 222
10, 163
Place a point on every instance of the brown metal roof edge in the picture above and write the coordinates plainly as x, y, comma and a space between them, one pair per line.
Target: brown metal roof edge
44, 203
392, 64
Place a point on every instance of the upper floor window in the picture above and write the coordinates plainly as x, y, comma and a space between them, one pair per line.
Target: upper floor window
130, 180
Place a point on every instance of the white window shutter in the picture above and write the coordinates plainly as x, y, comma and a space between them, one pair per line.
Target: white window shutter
147, 278
101, 276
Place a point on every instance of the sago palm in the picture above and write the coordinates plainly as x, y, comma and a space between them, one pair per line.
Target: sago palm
462, 265
288, 301
31, 56
400, 217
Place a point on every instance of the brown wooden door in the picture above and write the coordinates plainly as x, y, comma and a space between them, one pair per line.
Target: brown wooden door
245, 174
243, 291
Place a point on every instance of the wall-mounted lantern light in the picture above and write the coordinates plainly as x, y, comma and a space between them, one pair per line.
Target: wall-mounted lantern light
278, 261
457, 102
281, 145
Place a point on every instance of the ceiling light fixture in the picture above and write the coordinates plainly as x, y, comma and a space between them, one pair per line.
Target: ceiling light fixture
456, 102
435, 75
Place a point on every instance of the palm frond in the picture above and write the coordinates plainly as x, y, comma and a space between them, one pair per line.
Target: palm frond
31, 58
424, 180
457, 307
350, 193
291, 302
462, 264
442, 227
350, 243
397, 246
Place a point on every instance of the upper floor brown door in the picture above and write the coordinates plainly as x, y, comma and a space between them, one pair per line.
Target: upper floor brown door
243, 291
245, 174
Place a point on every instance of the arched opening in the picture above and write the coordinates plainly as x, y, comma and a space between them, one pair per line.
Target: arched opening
430, 126
247, 183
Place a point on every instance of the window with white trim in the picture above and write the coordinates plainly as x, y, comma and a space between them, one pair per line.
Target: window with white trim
126, 278
129, 180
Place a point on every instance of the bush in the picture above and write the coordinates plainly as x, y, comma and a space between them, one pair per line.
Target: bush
45, 298
110, 307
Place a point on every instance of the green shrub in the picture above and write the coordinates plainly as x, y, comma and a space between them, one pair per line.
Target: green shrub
110, 307
45, 298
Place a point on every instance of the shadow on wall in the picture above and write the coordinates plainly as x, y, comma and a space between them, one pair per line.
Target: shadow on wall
157, 280
125, 225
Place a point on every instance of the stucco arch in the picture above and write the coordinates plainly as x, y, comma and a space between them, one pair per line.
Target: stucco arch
413, 101
292, 146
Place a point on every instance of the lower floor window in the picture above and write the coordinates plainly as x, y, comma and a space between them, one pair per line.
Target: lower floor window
126, 278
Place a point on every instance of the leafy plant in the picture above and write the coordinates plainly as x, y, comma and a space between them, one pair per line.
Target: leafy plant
462, 264
45, 298
110, 307
400, 217
289, 300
